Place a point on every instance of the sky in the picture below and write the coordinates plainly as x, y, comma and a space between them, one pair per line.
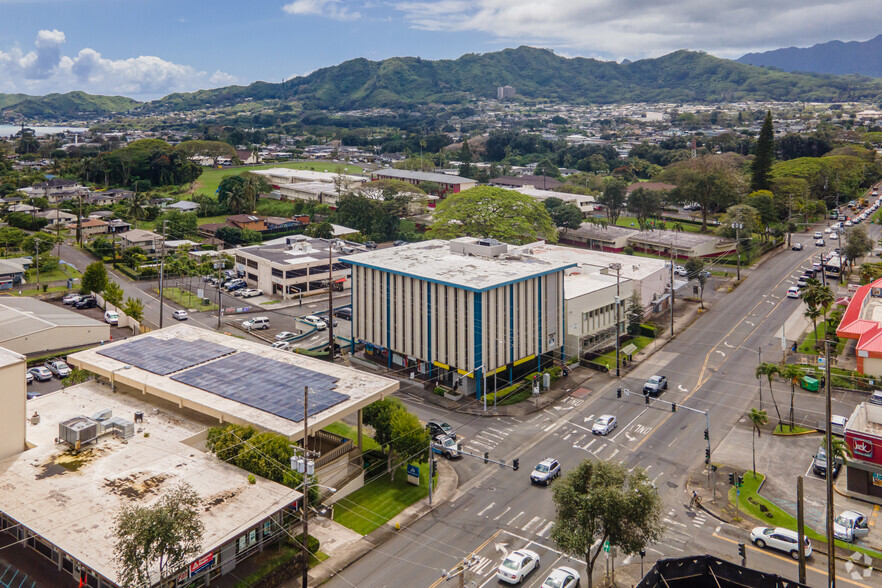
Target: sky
146, 49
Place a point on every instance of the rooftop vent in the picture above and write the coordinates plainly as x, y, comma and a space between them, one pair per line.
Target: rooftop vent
479, 248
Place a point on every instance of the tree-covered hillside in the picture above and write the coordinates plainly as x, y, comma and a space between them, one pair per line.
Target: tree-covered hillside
61, 106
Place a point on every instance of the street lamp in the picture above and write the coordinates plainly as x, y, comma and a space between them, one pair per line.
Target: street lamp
112, 372
738, 227
161, 269
618, 268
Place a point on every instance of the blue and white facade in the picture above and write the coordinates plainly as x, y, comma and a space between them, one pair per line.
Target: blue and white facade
466, 307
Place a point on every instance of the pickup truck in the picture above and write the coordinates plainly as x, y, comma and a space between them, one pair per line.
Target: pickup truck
655, 385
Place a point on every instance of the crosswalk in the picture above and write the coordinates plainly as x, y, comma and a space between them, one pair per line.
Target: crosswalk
679, 534
519, 520
489, 437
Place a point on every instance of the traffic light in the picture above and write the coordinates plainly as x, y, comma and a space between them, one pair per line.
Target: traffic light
731, 479
515, 464
706, 435
486, 456
619, 393
673, 407
707, 456
740, 481
741, 550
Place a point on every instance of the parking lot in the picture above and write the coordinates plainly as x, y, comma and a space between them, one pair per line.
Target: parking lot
116, 333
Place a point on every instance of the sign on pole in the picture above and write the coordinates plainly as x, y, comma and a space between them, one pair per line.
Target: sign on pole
413, 474
606, 546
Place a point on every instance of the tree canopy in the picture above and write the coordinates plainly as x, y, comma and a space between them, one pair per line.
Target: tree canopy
763, 156
497, 213
713, 181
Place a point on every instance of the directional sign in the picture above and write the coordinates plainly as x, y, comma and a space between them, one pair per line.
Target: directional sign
606, 546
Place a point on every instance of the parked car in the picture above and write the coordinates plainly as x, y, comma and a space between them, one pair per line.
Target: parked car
344, 313
315, 321
233, 282
236, 286
517, 565
258, 322
88, 301
781, 539
655, 385
797, 247
545, 471
801, 282
285, 335
58, 368
370, 245
111, 317
446, 446
71, 298
793, 292
851, 525
680, 271
250, 292
562, 577
40, 373
876, 397
29, 377
283, 345
398, 243
819, 463
180, 315
604, 425
440, 429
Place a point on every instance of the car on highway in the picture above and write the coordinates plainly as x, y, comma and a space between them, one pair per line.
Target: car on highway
819, 463
851, 525
517, 565
834, 236
88, 301
562, 577
792, 292
545, 471
819, 243
818, 235
58, 368
71, 298
315, 321
440, 429
848, 223
781, 539
876, 397
344, 313
797, 247
604, 425
446, 446
283, 345
180, 315
285, 335
40, 373
655, 385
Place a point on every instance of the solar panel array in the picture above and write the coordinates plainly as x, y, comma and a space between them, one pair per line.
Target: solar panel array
165, 356
272, 386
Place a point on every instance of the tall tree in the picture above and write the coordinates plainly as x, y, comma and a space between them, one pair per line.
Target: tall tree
602, 501
465, 155
769, 370
644, 204
791, 374
758, 418
857, 244
501, 214
113, 293
712, 181
763, 157
613, 199
159, 538
94, 278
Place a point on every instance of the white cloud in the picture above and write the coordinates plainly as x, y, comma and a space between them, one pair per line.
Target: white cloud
646, 28
45, 69
328, 8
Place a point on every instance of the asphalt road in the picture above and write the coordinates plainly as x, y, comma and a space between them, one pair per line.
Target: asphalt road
710, 368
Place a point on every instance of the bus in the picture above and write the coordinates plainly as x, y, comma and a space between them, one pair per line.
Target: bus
832, 265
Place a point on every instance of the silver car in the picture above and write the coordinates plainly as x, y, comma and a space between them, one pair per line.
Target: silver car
604, 425
545, 471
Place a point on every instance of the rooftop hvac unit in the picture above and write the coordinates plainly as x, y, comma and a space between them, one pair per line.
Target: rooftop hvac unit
79, 429
123, 427
102, 415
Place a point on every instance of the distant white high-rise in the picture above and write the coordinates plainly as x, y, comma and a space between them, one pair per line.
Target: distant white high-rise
504, 92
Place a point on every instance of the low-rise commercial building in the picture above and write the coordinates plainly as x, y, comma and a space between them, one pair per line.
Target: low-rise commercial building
448, 183
863, 434
862, 321
31, 326
584, 202
466, 307
279, 176
614, 239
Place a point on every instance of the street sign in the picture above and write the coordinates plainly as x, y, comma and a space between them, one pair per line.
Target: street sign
413, 474
606, 546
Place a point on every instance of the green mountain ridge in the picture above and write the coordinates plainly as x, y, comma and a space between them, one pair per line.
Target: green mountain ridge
70, 105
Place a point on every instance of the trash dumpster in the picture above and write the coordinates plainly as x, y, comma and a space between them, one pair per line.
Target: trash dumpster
808, 383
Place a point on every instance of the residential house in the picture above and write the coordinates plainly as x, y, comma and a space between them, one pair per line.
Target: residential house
55, 216
90, 227
248, 157
116, 225
146, 240
183, 206
11, 274
247, 221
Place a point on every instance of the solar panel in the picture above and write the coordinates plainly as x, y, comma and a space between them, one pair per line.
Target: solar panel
272, 386
165, 356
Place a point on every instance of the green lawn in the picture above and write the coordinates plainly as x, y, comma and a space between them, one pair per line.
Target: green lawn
379, 501
797, 430
629, 221
808, 345
749, 502
206, 220
210, 179
185, 298
35, 291
610, 356
344, 430
62, 273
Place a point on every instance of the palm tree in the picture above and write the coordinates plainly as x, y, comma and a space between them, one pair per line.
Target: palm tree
758, 418
840, 451
136, 206
237, 199
813, 313
769, 370
824, 299
792, 374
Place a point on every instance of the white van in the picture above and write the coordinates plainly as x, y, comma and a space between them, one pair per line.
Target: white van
258, 322
111, 317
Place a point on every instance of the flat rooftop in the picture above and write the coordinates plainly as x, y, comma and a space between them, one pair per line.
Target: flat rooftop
678, 238
580, 284
281, 253
252, 383
433, 261
24, 316
420, 176
866, 419
71, 499
8, 357
608, 233
633, 267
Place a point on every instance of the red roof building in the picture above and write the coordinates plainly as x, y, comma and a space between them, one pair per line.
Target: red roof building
862, 321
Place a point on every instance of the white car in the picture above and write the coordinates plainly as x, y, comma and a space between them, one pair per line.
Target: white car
283, 345
180, 315
828, 230
848, 223
71, 298
834, 236
818, 235
285, 335
851, 525
250, 293
819, 243
315, 321
517, 565
793, 292
562, 577
111, 317
781, 539
604, 425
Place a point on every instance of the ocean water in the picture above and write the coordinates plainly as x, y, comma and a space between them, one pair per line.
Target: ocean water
8, 130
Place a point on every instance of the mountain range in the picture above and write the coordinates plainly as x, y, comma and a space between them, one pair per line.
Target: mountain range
536, 74
837, 58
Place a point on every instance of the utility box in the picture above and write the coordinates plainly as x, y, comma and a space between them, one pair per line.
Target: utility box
546, 380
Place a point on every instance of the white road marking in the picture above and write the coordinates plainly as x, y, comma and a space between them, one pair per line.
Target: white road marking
533, 522
720, 352
629, 424
496, 431
614, 453
549, 427
682, 388
657, 477
484, 432
515, 518
486, 508
587, 445
545, 529
568, 435
479, 568
500, 515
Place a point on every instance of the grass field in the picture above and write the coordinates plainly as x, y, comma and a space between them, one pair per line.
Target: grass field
378, 502
185, 298
808, 345
62, 273
610, 356
210, 179
344, 430
630, 221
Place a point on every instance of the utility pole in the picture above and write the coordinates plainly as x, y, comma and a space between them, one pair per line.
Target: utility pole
161, 270
37, 260
760, 380
331, 300
672, 293
306, 488
800, 526
220, 282
831, 545
80, 221
618, 268
738, 227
